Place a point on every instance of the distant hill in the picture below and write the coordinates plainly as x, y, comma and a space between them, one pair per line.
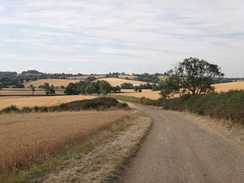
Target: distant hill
7, 74
31, 72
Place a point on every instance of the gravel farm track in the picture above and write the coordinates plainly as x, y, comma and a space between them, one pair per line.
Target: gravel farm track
179, 149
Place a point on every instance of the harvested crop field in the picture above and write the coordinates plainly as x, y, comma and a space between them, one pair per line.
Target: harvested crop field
54, 82
229, 86
117, 81
27, 91
148, 93
31, 101
27, 136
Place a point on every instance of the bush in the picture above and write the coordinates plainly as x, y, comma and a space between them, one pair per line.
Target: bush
11, 108
228, 105
36, 108
26, 109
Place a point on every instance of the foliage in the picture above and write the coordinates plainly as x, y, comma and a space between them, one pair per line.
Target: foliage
104, 87
11, 108
228, 105
194, 75
146, 86
147, 77
18, 85
225, 105
127, 86
49, 90
32, 89
115, 89
136, 88
72, 89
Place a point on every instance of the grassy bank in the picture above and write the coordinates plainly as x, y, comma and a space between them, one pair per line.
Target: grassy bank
225, 105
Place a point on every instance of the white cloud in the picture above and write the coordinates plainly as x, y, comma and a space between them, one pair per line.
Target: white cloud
140, 32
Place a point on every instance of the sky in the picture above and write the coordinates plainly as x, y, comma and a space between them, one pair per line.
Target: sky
131, 36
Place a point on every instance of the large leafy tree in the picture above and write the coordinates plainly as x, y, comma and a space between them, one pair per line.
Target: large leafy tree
192, 76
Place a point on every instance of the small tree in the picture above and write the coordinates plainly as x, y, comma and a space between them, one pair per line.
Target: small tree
136, 89
72, 89
47, 88
191, 76
32, 89
52, 90
104, 87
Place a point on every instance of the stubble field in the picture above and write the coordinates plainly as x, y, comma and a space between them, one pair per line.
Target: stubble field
31, 101
54, 82
117, 81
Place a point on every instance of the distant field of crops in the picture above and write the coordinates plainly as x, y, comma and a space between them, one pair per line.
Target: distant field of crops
117, 81
31, 101
26, 91
54, 82
229, 86
127, 76
162, 78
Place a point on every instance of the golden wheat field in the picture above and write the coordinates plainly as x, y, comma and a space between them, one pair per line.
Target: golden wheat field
31, 101
117, 81
54, 82
26, 91
229, 86
26, 136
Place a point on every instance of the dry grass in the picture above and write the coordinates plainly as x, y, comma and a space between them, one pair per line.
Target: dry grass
229, 86
54, 82
117, 81
148, 93
25, 137
31, 101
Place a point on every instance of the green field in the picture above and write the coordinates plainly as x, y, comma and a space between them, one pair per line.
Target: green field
127, 76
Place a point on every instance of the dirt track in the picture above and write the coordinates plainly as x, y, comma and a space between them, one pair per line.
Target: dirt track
178, 150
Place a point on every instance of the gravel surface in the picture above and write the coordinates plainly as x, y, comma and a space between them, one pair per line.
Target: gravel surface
179, 149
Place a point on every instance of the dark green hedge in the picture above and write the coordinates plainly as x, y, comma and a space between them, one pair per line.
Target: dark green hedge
226, 105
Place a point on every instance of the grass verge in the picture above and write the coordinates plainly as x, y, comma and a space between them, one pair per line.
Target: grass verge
114, 175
